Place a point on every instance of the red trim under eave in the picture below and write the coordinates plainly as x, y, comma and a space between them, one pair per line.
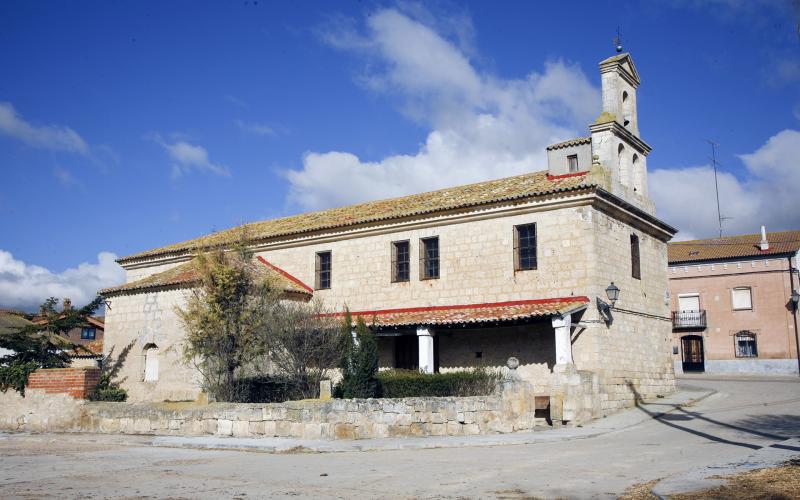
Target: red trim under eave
285, 274
559, 300
564, 176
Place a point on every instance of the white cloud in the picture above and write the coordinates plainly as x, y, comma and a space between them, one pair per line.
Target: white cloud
64, 177
480, 126
767, 195
53, 137
25, 286
255, 128
188, 157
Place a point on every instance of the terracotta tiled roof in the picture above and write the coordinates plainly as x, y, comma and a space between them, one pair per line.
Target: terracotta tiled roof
482, 193
569, 143
12, 321
94, 348
185, 275
733, 247
470, 313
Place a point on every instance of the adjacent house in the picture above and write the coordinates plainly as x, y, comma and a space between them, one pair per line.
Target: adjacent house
734, 304
89, 336
526, 266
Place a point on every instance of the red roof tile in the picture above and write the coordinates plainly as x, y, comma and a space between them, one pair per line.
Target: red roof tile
470, 313
732, 247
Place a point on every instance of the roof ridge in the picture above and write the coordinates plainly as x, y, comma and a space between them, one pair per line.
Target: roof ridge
416, 204
749, 235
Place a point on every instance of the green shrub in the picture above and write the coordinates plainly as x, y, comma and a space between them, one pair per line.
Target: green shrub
267, 389
359, 363
411, 383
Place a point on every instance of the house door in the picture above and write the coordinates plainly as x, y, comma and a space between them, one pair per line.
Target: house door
693, 360
406, 352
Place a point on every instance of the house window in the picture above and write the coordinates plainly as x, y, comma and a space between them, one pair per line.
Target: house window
525, 247
150, 363
636, 265
572, 163
746, 345
742, 298
88, 333
429, 258
401, 261
323, 271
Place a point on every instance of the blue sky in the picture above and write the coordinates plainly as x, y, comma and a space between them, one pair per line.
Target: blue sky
129, 125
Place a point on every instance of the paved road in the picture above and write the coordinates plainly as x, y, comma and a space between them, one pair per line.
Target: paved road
743, 416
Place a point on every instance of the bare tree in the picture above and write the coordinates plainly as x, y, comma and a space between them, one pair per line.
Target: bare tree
304, 344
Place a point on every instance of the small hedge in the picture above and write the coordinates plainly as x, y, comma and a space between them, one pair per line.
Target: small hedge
267, 389
411, 383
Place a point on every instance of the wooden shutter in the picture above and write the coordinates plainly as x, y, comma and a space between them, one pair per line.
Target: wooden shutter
394, 261
516, 249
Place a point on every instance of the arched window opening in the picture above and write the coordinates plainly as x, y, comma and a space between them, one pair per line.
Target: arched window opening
624, 167
150, 355
626, 110
745, 342
637, 173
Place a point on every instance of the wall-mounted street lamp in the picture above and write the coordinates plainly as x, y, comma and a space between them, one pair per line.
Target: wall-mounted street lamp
612, 292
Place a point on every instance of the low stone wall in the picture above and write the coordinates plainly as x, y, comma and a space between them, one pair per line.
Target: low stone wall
39, 411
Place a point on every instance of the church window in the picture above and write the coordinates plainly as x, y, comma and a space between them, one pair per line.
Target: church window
150, 363
322, 273
626, 109
429, 258
637, 174
572, 163
624, 166
525, 247
636, 263
401, 261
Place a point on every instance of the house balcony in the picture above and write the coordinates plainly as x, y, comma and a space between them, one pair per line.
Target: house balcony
688, 319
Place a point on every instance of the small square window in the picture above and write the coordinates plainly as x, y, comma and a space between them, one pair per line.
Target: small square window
323, 270
742, 298
88, 333
572, 163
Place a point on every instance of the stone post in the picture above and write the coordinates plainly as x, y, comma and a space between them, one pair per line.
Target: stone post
563, 327
425, 343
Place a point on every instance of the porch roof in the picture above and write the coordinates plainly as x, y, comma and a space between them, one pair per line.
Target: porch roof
471, 313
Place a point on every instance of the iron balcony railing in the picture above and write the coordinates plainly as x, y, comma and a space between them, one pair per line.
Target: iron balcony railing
689, 319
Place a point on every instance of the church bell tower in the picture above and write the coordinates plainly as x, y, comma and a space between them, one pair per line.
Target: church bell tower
616, 144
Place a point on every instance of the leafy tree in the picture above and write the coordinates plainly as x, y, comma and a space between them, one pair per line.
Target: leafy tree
360, 361
225, 317
43, 344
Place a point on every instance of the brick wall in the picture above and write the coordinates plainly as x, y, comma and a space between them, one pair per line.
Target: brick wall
75, 382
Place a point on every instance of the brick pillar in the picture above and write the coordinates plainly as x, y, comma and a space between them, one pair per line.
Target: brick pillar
77, 382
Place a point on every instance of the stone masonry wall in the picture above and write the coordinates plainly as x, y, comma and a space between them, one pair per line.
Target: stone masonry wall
511, 408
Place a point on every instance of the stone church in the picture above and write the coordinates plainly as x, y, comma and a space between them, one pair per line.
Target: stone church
526, 266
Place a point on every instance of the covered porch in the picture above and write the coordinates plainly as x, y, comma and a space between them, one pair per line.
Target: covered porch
445, 338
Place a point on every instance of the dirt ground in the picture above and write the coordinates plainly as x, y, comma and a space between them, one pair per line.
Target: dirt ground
778, 483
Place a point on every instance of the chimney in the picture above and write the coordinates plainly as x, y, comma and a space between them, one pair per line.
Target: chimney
764, 244
67, 304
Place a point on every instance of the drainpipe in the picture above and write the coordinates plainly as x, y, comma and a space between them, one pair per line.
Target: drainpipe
792, 272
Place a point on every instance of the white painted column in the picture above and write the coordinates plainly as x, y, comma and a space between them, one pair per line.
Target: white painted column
563, 326
425, 343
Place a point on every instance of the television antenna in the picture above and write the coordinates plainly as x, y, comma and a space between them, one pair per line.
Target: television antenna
713, 159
